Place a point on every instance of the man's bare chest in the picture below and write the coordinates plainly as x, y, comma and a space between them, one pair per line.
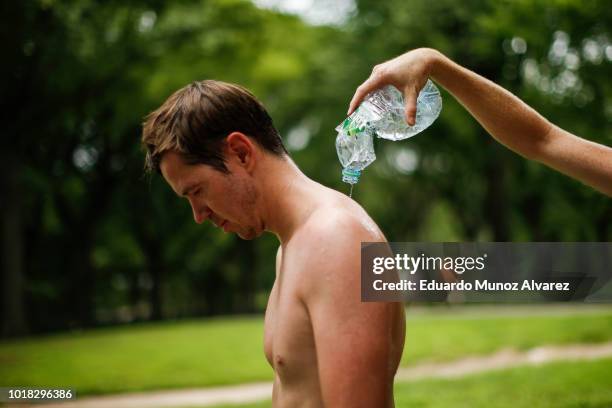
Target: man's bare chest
288, 334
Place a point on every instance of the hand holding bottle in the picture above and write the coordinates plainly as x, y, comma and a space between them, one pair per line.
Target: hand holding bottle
507, 118
408, 73
380, 110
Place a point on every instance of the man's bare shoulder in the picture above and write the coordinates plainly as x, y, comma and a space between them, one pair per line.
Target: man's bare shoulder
338, 225
330, 246
347, 218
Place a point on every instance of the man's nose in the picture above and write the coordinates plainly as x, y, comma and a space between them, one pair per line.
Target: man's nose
197, 216
200, 214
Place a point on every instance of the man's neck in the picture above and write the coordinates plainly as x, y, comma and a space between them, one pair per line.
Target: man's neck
288, 197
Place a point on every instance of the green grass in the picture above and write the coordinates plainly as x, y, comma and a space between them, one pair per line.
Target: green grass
567, 384
148, 356
229, 351
446, 335
558, 385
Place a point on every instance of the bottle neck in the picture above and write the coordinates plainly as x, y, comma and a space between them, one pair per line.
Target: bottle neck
350, 176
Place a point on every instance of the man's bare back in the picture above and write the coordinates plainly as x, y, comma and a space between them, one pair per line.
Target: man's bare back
327, 347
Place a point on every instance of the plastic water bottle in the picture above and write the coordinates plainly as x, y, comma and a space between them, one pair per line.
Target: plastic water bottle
356, 152
381, 114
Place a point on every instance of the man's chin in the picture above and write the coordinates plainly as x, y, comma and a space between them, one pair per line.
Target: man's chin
248, 234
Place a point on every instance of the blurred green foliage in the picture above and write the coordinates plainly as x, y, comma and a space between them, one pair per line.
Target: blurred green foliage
88, 240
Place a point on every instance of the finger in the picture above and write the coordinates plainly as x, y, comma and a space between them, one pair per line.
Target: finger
410, 99
372, 83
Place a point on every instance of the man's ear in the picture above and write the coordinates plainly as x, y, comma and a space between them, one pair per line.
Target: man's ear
242, 149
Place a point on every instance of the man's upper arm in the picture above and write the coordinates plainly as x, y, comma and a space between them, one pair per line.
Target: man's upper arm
353, 339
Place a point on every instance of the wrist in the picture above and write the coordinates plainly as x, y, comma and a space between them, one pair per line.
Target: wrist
435, 62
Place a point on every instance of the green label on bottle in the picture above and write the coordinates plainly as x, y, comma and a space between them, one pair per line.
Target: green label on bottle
351, 128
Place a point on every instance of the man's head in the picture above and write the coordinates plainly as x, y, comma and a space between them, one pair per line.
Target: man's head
205, 140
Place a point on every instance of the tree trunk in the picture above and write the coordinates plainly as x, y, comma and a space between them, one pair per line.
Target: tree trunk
497, 198
248, 278
83, 280
13, 311
155, 266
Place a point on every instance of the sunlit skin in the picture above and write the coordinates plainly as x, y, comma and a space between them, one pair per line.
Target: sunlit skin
327, 348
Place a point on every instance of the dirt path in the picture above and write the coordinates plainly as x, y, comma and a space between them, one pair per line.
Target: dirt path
506, 358
254, 392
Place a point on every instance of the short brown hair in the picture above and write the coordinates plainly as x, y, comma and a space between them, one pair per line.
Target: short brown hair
196, 119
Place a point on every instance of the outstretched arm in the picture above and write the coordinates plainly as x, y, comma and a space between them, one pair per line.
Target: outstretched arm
508, 119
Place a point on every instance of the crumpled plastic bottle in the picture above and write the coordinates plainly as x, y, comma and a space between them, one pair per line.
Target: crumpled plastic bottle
381, 114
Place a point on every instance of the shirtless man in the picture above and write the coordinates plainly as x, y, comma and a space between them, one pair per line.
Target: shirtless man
216, 146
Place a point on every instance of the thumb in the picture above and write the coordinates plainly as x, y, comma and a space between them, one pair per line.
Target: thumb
410, 99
